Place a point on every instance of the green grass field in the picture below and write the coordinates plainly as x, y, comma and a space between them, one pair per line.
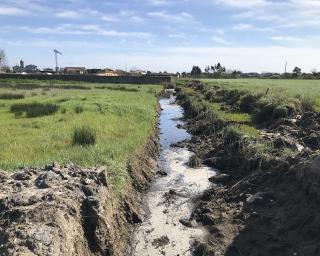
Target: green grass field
121, 116
286, 89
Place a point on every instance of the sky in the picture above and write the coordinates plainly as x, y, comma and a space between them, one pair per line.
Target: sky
163, 35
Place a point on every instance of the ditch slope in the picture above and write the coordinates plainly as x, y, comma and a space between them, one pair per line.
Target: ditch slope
69, 210
266, 199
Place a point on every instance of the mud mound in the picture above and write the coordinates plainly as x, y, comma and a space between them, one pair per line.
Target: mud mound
266, 213
58, 210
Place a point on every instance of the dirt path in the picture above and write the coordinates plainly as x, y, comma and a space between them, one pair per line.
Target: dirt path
167, 229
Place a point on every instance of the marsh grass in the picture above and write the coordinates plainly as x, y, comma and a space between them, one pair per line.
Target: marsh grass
11, 96
84, 136
34, 109
122, 120
307, 90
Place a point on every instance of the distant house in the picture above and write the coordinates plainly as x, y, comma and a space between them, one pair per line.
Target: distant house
31, 69
121, 72
48, 71
75, 70
251, 74
94, 71
108, 72
17, 68
137, 72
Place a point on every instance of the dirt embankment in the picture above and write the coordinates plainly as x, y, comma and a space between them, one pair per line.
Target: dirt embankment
264, 202
68, 210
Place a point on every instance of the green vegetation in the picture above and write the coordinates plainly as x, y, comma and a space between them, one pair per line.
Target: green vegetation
237, 115
46, 128
306, 91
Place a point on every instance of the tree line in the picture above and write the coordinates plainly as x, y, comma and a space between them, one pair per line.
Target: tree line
219, 71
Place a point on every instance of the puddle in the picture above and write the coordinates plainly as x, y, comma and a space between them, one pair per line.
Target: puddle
170, 198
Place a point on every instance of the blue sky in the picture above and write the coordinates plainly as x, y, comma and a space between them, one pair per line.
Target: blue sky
171, 35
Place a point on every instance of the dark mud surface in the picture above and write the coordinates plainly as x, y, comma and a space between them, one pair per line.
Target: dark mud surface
260, 204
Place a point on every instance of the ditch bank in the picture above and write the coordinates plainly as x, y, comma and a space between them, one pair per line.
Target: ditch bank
69, 210
263, 202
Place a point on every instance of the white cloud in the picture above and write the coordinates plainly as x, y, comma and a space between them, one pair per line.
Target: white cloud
69, 15
13, 11
287, 38
123, 16
178, 35
166, 2
242, 3
89, 29
220, 40
242, 26
182, 17
279, 14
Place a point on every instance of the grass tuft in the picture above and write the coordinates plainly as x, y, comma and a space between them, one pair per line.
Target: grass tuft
84, 136
34, 109
11, 96
78, 109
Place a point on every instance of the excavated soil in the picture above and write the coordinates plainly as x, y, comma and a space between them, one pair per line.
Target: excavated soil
259, 204
69, 210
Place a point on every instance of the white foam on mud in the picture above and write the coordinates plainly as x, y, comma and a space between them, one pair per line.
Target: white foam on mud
165, 213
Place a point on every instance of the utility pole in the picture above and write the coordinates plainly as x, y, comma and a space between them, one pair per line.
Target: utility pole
285, 69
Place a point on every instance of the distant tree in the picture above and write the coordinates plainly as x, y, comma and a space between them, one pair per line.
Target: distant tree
236, 73
296, 71
207, 69
220, 69
196, 71
184, 74
3, 58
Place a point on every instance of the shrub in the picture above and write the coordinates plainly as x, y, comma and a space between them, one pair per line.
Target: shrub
248, 102
231, 134
308, 104
63, 100
34, 109
170, 86
84, 136
11, 96
122, 88
264, 113
231, 97
78, 109
280, 112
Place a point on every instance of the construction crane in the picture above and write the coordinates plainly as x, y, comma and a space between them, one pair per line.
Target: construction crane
56, 52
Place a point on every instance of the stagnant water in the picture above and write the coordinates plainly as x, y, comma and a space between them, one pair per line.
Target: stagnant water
170, 198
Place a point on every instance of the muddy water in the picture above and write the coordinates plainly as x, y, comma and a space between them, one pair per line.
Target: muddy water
170, 199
